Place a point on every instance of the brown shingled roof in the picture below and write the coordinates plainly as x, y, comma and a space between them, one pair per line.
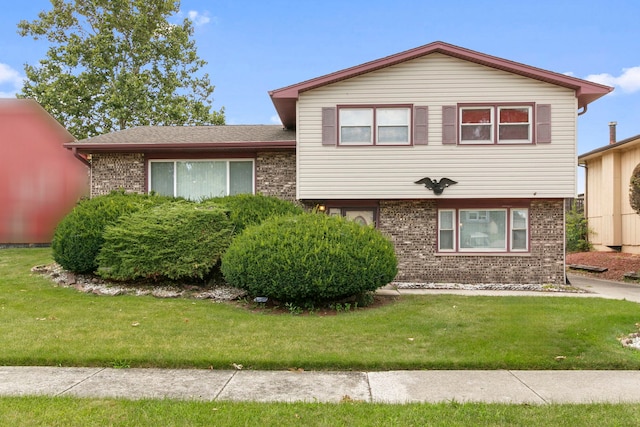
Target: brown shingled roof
189, 138
169, 134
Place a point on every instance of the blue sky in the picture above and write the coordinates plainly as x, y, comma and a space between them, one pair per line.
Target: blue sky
255, 46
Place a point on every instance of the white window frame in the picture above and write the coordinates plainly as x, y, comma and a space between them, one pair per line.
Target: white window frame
491, 124
509, 230
453, 229
495, 124
529, 139
374, 124
228, 171
382, 124
346, 122
512, 228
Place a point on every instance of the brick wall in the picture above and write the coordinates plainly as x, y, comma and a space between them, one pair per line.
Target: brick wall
412, 226
276, 175
115, 171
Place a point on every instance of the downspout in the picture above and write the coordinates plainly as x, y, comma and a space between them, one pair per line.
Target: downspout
86, 162
566, 279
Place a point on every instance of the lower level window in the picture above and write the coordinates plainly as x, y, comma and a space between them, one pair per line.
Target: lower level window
199, 179
483, 230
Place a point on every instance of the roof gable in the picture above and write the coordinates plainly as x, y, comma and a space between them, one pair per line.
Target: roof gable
284, 99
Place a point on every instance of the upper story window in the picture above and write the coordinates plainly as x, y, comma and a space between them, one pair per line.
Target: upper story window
198, 179
496, 124
371, 125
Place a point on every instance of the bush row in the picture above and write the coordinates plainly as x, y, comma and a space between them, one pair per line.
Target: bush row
264, 245
129, 236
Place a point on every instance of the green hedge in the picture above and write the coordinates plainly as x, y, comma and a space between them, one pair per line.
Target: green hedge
181, 240
309, 258
79, 236
250, 209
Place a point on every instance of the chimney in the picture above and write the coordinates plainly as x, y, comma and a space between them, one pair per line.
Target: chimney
612, 132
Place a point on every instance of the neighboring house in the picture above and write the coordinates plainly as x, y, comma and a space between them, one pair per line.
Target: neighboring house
503, 131
40, 181
613, 224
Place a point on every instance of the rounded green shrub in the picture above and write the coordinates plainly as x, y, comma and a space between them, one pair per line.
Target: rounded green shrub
78, 237
252, 209
309, 258
181, 240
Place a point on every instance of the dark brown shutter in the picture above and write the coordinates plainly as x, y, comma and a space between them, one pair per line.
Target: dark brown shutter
449, 124
329, 130
543, 123
420, 125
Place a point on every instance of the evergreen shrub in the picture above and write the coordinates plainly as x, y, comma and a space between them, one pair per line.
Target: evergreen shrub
181, 240
577, 231
78, 237
309, 258
252, 209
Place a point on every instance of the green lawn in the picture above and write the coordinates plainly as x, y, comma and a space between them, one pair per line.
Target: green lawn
41, 324
51, 412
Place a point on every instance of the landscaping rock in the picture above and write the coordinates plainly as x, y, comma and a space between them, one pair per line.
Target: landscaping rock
98, 286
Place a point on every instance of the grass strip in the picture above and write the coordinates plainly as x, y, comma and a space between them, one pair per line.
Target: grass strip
62, 411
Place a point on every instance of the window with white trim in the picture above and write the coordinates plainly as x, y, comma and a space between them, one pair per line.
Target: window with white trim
374, 125
483, 230
519, 229
496, 124
198, 179
447, 230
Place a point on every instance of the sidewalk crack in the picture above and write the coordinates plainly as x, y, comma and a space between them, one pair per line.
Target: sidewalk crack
80, 382
527, 386
225, 385
369, 387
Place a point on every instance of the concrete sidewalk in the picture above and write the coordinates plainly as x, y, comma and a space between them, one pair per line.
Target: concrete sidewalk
516, 387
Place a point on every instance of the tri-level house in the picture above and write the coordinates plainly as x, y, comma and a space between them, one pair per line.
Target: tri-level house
463, 159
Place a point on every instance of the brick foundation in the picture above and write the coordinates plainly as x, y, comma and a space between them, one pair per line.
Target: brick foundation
412, 226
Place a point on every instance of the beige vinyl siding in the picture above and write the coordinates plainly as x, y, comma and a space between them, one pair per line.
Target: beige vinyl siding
536, 171
612, 220
594, 208
630, 219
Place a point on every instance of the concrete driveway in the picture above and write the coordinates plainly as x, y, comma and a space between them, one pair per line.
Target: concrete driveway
607, 288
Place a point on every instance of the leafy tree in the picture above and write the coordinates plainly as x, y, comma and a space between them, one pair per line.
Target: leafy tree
634, 190
114, 64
